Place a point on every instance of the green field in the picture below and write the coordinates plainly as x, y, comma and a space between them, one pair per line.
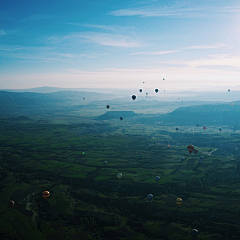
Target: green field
88, 201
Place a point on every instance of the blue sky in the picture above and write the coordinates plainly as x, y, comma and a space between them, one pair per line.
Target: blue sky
119, 44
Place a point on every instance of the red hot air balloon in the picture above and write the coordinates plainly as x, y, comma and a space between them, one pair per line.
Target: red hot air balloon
45, 194
204, 128
190, 148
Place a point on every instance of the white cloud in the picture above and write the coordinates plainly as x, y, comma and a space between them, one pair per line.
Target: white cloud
105, 39
201, 47
177, 10
213, 61
2, 32
102, 26
155, 53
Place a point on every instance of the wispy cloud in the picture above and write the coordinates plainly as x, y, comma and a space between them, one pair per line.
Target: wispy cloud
2, 32
104, 39
157, 11
212, 61
102, 26
181, 11
210, 46
155, 53
35, 17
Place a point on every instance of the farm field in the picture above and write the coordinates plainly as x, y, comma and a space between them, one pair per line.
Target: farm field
87, 201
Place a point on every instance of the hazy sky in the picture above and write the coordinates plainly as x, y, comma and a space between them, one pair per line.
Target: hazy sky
120, 43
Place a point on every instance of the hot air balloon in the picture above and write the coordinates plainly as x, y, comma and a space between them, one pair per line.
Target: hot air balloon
176, 129
83, 98
143, 82
204, 128
231, 104
195, 150
157, 178
134, 97
178, 201
104, 163
229, 90
140, 90
11, 203
156, 90
168, 145
194, 233
119, 175
163, 79
149, 197
220, 129
107, 106
45, 194
197, 125
190, 148
121, 118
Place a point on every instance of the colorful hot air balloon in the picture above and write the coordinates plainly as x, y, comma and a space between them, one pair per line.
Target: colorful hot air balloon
190, 148
134, 97
149, 197
156, 90
104, 163
194, 233
119, 175
204, 128
195, 150
11, 203
121, 118
45, 194
178, 201
157, 178
228, 90
107, 106
176, 129
140, 90
220, 129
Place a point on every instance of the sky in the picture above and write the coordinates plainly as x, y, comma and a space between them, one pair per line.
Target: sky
192, 44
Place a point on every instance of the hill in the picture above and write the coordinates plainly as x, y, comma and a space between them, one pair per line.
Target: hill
116, 115
213, 114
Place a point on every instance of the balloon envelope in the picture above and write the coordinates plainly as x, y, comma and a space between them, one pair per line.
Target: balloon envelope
119, 175
104, 163
194, 233
157, 178
11, 204
190, 148
149, 197
178, 201
134, 97
45, 194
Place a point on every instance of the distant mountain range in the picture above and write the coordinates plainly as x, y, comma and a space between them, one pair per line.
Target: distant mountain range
191, 113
